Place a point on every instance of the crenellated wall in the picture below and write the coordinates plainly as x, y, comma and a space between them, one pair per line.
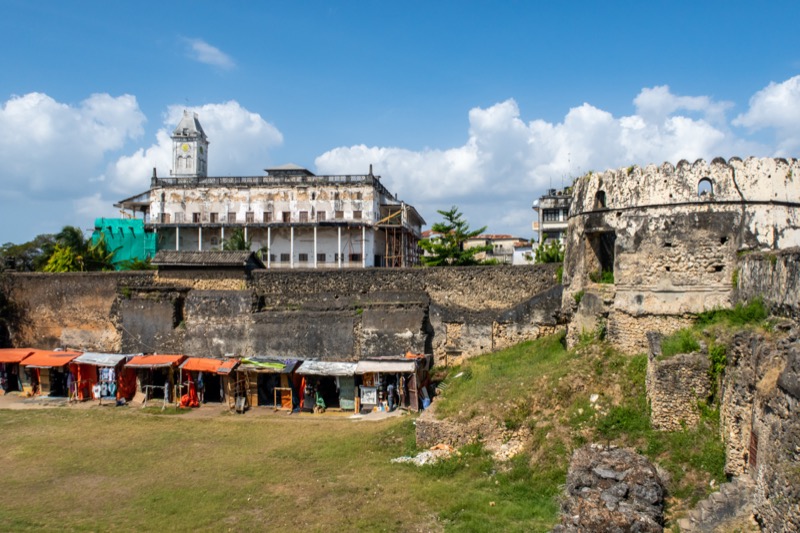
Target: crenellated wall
672, 236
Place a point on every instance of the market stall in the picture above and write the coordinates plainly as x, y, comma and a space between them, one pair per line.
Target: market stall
210, 378
12, 378
49, 371
270, 381
388, 383
102, 376
155, 376
327, 384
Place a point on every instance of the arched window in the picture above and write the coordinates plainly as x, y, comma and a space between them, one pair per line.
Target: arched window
705, 188
600, 200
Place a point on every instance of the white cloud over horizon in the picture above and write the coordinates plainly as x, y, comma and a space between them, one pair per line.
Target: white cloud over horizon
81, 158
508, 162
202, 52
238, 143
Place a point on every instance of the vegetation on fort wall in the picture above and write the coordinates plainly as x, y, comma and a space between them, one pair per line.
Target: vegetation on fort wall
566, 399
712, 324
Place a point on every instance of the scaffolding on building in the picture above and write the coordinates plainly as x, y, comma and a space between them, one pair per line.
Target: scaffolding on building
401, 245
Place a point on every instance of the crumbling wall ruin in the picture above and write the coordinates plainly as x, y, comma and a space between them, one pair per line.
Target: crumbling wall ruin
675, 385
670, 238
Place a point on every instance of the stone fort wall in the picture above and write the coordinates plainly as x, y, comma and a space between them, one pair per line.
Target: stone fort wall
341, 315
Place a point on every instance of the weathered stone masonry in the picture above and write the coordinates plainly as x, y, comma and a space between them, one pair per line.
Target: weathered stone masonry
672, 236
334, 315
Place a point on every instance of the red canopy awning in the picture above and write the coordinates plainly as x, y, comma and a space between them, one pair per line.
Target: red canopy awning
154, 361
14, 355
209, 364
47, 358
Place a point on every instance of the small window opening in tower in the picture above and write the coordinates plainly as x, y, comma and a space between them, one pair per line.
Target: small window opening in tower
600, 200
705, 188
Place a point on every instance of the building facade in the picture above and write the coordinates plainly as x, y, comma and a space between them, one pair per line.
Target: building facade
290, 216
552, 210
503, 247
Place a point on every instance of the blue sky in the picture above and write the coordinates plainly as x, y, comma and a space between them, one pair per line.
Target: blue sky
478, 104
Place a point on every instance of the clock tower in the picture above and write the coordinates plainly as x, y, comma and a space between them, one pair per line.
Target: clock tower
189, 148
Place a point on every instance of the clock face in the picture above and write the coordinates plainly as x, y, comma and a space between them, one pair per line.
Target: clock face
185, 147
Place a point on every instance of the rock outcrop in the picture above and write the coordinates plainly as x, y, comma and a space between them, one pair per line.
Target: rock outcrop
611, 489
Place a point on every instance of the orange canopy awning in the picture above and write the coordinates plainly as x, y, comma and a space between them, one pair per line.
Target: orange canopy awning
47, 358
14, 355
154, 361
208, 364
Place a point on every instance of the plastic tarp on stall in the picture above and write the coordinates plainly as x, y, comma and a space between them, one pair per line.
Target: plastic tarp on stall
272, 365
14, 355
48, 359
209, 364
155, 361
327, 368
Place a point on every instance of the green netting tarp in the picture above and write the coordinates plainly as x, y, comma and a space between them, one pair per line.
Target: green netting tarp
126, 237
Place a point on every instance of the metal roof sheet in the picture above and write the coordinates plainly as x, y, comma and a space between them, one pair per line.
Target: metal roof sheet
387, 367
102, 359
327, 368
207, 258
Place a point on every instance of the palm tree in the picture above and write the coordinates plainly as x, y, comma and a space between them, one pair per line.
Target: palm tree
236, 241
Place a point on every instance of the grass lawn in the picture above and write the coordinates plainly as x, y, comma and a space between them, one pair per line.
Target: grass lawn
122, 469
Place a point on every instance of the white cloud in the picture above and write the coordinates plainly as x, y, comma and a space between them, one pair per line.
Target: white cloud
54, 155
777, 107
51, 148
239, 142
201, 51
507, 162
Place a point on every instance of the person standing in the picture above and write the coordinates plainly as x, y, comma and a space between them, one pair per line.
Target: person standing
390, 396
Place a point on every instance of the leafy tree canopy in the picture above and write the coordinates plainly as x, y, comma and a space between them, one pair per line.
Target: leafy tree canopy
73, 253
29, 256
551, 252
447, 248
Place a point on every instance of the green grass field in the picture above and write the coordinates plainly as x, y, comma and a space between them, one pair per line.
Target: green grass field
121, 469
128, 469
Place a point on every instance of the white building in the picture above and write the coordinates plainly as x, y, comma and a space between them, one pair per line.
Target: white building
553, 211
294, 218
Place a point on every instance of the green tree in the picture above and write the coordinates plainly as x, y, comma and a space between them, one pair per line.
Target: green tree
29, 256
447, 248
236, 241
551, 252
73, 253
63, 259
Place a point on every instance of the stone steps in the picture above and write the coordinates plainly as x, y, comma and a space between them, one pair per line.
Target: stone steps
733, 500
